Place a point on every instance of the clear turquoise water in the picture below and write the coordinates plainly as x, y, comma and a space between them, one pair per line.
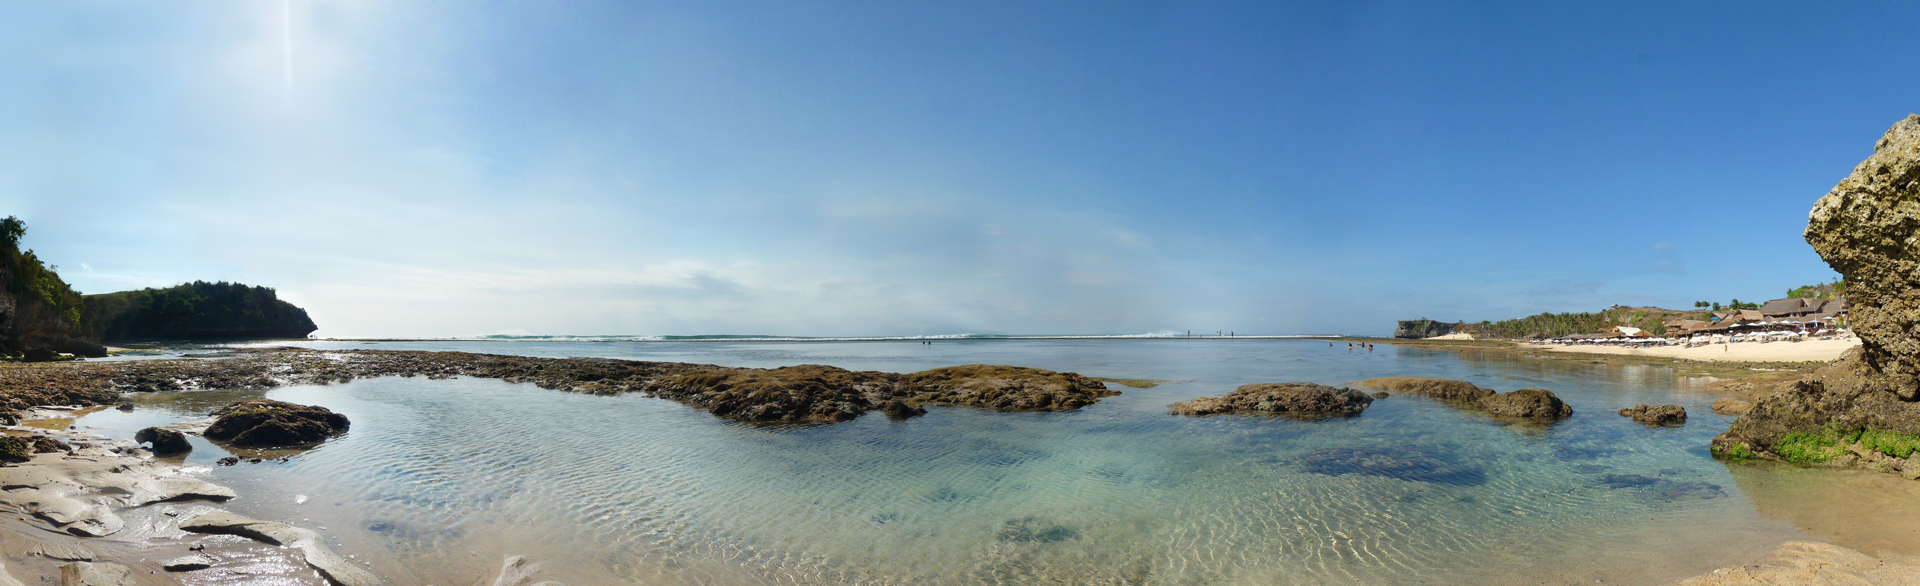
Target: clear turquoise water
439, 479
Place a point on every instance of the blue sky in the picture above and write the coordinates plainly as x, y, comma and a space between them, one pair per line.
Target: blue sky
888, 168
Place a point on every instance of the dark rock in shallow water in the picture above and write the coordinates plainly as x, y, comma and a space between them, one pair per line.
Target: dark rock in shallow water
265, 423
1401, 464
1438, 388
1380, 395
166, 442
1031, 529
1003, 388
1656, 414
1303, 399
41, 354
1663, 489
81, 348
899, 409
1627, 480
1674, 490
1536, 404
812, 393
1581, 452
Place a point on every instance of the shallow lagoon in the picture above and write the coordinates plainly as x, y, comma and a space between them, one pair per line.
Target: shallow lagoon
440, 479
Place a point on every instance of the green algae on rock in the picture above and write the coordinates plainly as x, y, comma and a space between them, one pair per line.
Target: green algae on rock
1437, 388
1296, 399
266, 423
1533, 405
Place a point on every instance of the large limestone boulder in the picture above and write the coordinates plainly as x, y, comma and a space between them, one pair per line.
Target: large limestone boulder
1298, 399
1863, 410
1868, 229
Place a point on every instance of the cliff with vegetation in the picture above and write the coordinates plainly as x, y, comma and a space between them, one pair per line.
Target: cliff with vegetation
197, 310
39, 313
41, 316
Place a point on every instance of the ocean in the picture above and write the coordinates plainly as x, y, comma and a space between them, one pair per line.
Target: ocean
440, 479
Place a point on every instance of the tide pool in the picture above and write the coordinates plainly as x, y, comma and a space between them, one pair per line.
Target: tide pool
439, 479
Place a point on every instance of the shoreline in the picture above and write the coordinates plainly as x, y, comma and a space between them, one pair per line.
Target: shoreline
112, 511
382, 367
109, 509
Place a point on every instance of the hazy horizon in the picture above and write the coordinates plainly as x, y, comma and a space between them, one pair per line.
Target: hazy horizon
876, 169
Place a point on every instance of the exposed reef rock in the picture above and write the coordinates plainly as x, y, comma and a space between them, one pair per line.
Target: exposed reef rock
16, 449
265, 423
1297, 399
1860, 410
166, 442
1423, 328
808, 392
1438, 388
796, 394
1731, 406
815, 393
1539, 405
1656, 414
1005, 388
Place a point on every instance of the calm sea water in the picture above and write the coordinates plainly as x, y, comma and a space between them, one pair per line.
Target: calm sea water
439, 479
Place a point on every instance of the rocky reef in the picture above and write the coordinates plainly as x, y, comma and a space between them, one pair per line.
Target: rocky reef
266, 423
1533, 405
1530, 403
1656, 415
1437, 388
1861, 410
795, 394
1296, 399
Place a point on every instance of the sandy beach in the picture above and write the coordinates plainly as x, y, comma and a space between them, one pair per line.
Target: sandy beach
1807, 351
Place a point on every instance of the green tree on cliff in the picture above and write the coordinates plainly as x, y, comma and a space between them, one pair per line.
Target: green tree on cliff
46, 309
